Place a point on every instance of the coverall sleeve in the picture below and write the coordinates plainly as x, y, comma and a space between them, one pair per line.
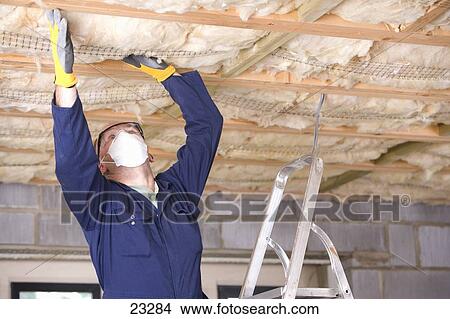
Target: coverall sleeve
77, 163
203, 129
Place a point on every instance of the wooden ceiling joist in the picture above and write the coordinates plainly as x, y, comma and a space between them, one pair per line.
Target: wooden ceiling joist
328, 25
281, 81
285, 81
160, 154
430, 134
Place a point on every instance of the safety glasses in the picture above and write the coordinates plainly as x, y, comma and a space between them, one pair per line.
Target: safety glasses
99, 138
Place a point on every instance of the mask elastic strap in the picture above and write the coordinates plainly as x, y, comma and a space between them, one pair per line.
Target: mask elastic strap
103, 162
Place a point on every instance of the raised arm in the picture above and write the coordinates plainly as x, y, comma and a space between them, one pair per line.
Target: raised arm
203, 129
76, 161
203, 122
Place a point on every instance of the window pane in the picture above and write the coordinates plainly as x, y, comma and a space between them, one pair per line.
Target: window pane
54, 295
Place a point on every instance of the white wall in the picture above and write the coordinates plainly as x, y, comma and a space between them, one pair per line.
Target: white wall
59, 271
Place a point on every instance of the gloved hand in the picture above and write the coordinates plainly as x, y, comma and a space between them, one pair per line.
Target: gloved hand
154, 67
62, 49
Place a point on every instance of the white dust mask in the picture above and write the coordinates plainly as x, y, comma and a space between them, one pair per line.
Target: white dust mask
128, 150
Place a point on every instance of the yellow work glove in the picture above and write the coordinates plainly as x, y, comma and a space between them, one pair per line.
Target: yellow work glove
62, 49
154, 67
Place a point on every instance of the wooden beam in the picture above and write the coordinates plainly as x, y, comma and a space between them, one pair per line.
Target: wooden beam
5, 149
214, 188
160, 154
392, 167
414, 134
309, 11
435, 12
264, 81
430, 134
328, 25
285, 81
210, 188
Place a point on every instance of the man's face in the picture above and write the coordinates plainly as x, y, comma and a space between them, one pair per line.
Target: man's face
109, 135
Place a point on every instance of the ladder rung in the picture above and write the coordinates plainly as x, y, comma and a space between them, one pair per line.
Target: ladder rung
318, 292
301, 292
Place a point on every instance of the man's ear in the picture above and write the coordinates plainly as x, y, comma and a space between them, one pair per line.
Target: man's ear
151, 159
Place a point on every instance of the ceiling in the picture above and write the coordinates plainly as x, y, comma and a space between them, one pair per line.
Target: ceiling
383, 64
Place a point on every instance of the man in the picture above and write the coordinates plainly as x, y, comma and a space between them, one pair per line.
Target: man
141, 246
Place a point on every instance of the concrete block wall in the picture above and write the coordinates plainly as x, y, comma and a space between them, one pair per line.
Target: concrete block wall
405, 259
31, 215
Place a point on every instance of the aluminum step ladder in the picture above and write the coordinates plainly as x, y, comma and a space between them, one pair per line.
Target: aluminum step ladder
293, 266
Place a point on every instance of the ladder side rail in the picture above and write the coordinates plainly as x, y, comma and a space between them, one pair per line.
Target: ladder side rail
303, 229
259, 251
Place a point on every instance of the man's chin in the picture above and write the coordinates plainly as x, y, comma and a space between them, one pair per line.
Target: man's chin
120, 171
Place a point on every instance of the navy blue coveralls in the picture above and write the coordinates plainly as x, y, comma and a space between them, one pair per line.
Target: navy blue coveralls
140, 251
